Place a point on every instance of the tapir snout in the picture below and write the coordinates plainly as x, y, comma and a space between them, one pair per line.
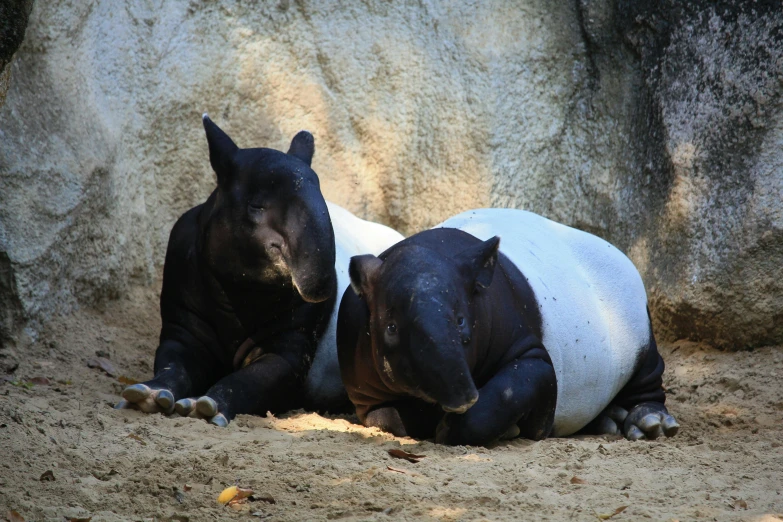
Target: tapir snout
443, 373
311, 253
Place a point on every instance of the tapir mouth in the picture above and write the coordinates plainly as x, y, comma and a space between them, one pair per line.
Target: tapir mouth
318, 293
462, 408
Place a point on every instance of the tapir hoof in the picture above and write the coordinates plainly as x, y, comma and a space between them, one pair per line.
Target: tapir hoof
201, 408
649, 420
184, 407
207, 407
610, 421
511, 433
219, 420
148, 400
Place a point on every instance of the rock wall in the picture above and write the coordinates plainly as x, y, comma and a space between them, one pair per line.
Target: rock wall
711, 251
656, 126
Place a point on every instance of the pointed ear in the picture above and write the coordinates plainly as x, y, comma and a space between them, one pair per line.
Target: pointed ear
479, 261
303, 147
221, 149
363, 271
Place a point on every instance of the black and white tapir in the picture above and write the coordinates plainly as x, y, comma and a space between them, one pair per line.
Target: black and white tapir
251, 285
548, 336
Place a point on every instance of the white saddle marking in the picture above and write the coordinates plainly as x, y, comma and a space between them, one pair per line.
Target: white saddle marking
592, 301
352, 236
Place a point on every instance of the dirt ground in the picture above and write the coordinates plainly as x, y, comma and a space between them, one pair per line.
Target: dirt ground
725, 464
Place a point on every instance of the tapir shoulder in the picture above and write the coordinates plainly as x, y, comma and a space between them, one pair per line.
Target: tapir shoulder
362, 383
182, 283
184, 236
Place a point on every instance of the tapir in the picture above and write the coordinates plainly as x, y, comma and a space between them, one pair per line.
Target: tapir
457, 334
251, 283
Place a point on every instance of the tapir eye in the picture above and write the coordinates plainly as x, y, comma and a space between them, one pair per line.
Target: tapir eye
460, 321
391, 328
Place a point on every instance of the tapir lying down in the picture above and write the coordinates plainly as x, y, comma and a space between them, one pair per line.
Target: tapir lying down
445, 335
251, 285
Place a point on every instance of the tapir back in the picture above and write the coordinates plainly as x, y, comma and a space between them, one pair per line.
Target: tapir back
592, 301
352, 236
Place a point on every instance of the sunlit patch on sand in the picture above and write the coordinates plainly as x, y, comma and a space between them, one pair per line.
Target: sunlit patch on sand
445, 513
472, 457
301, 423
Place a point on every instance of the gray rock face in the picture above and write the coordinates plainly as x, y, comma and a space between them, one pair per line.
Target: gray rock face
658, 127
711, 128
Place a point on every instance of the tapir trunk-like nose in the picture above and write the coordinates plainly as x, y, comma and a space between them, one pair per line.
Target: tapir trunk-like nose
443, 373
312, 252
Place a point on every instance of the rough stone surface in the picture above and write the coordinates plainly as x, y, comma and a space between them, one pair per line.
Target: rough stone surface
657, 125
708, 137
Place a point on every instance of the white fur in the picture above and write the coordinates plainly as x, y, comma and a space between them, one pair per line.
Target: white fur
592, 302
352, 236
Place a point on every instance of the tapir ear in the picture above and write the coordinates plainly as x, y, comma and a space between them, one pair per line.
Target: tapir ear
303, 147
479, 261
363, 271
221, 149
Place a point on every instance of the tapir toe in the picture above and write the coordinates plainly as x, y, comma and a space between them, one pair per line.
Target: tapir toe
649, 420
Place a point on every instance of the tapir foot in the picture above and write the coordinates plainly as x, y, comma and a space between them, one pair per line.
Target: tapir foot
649, 420
202, 408
146, 399
610, 421
452, 430
442, 431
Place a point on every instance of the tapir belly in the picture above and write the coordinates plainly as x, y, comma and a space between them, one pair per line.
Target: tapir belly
592, 302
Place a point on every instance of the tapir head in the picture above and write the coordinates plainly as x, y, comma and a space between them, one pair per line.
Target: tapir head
422, 318
269, 222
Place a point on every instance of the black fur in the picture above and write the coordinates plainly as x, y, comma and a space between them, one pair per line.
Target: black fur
252, 267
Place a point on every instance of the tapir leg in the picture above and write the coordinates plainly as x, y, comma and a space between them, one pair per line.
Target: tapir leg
270, 383
406, 418
522, 393
180, 371
638, 411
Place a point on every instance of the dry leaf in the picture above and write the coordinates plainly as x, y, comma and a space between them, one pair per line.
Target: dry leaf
577, 480
227, 495
14, 516
410, 457
739, 504
607, 516
396, 470
47, 476
105, 476
234, 495
78, 519
42, 381
136, 437
103, 364
187, 487
127, 380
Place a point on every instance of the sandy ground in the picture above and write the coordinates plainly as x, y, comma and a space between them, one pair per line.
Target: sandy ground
726, 463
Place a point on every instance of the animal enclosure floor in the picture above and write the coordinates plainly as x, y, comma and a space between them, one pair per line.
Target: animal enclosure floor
725, 464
